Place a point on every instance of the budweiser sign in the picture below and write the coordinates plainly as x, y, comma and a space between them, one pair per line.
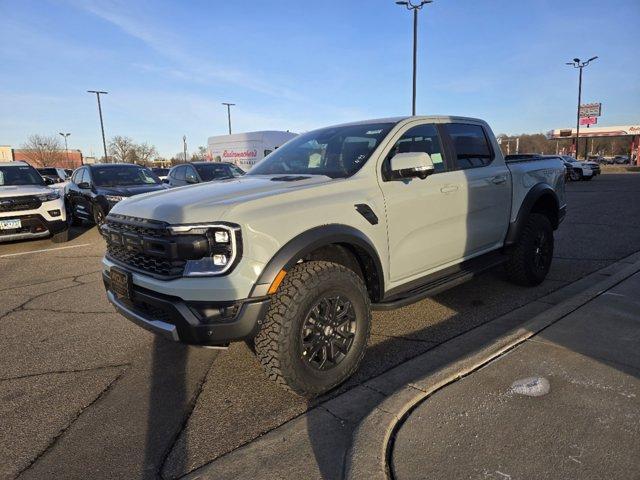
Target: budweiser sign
241, 154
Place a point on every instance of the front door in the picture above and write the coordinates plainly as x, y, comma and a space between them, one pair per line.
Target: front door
426, 219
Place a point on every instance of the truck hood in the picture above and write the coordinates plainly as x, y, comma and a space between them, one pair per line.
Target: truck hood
20, 190
207, 202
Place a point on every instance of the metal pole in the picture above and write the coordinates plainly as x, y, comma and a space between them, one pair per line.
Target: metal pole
104, 142
229, 105
415, 60
578, 114
184, 145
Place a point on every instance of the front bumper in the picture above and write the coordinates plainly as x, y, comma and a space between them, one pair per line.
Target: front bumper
191, 322
33, 226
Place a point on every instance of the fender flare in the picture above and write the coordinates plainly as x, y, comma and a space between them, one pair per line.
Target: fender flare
533, 195
310, 240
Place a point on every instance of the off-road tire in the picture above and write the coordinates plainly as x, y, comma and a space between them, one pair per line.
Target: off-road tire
521, 266
60, 237
278, 344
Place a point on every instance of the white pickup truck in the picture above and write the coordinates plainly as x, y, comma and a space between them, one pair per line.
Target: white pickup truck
293, 256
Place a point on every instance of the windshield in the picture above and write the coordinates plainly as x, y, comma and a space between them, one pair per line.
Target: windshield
20, 176
161, 171
121, 176
48, 171
337, 152
216, 171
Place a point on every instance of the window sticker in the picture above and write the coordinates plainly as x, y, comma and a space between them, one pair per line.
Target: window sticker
373, 132
436, 158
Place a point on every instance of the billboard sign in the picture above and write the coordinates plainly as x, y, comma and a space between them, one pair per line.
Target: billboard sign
588, 121
591, 110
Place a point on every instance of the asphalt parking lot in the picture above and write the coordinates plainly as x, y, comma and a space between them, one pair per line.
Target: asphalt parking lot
85, 393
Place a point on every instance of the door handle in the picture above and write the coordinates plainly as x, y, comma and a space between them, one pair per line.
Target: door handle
499, 179
449, 189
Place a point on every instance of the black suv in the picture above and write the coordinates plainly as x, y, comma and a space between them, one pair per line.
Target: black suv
94, 189
198, 172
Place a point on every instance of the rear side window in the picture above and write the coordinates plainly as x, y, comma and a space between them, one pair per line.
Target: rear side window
471, 145
180, 173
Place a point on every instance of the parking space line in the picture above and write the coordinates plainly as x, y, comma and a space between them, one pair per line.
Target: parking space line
44, 250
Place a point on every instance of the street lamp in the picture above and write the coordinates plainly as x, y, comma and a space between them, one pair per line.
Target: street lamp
66, 149
576, 63
415, 7
104, 143
229, 105
184, 146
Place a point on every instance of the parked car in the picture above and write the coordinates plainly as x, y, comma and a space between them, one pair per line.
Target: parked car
577, 170
28, 207
161, 173
620, 159
198, 172
594, 166
293, 256
57, 175
95, 189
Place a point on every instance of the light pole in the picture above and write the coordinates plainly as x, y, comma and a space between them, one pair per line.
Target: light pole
229, 105
580, 65
415, 8
184, 146
104, 143
66, 149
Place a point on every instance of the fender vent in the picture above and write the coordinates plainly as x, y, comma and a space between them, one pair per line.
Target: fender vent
365, 210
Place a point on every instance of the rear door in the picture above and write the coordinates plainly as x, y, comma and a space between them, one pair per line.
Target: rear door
485, 182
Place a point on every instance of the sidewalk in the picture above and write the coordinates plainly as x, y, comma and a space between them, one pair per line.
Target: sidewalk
587, 425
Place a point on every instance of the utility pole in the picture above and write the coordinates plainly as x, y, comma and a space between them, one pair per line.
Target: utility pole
580, 65
414, 8
229, 105
104, 142
66, 148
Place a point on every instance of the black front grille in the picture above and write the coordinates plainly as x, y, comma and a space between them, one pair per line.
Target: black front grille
142, 244
17, 204
147, 263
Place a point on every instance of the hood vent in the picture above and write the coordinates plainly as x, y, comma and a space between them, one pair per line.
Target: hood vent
289, 178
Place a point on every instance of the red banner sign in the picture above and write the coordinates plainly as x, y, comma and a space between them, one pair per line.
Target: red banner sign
588, 120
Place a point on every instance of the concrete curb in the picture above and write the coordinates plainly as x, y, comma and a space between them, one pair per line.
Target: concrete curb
404, 387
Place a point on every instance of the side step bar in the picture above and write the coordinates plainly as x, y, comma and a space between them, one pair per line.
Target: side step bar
464, 273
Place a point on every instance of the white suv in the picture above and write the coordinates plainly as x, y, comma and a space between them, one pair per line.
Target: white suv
28, 207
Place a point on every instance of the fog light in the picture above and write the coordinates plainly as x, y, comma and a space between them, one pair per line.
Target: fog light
54, 213
220, 260
222, 237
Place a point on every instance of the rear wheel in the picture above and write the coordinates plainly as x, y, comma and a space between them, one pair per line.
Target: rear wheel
316, 329
574, 175
530, 260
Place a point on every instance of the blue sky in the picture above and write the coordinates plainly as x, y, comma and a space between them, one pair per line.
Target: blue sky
295, 66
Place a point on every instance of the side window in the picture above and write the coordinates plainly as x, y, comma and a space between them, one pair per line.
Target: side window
180, 173
471, 145
190, 174
422, 138
77, 176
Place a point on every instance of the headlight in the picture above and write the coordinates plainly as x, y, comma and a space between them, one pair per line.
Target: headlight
114, 198
48, 197
225, 248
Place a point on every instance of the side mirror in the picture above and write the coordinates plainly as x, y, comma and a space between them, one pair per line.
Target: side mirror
84, 185
165, 180
48, 181
412, 164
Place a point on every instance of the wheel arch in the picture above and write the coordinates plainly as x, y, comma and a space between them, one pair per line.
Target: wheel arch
542, 199
335, 242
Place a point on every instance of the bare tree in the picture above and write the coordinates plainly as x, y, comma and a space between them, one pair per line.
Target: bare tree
122, 149
146, 153
43, 150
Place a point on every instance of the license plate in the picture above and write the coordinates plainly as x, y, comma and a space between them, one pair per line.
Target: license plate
12, 224
120, 282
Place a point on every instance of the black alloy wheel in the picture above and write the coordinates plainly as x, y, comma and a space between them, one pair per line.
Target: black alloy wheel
328, 332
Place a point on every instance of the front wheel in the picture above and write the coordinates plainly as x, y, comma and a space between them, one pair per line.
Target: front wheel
98, 215
575, 176
530, 259
316, 329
